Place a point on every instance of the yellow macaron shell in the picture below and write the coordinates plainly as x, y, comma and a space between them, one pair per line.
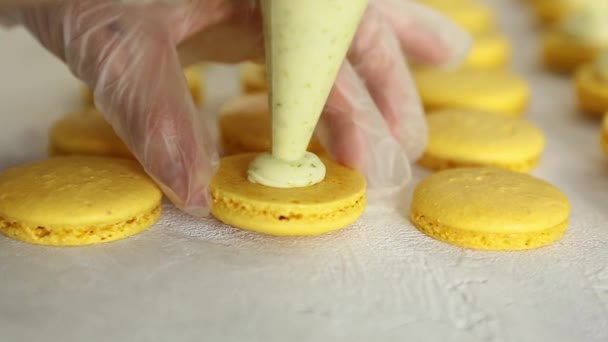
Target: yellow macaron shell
562, 53
253, 78
193, 77
550, 12
195, 83
492, 208
604, 134
245, 126
86, 133
472, 138
498, 91
65, 195
490, 50
591, 90
470, 15
491, 200
332, 204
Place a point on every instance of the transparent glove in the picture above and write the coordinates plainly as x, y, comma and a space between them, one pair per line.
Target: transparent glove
127, 54
130, 55
374, 120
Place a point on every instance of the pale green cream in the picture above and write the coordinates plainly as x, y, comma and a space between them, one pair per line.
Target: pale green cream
601, 66
274, 172
306, 42
589, 23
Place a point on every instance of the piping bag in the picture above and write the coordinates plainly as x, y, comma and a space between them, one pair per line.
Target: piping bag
306, 43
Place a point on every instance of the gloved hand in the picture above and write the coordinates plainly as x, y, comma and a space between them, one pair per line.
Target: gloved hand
374, 119
130, 55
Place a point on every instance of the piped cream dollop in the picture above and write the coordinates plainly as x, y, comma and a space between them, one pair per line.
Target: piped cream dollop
268, 170
589, 23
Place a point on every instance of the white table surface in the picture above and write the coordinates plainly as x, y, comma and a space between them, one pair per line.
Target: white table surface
197, 280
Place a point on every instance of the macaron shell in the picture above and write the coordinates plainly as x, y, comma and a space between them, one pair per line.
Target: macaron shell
490, 51
489, 201
563, 54
473, 138
244, 125
604, 134
498, 91
470, 15
86, 133
194, 79
550, 12
75, 192
490, 241
591, 91
195, 83
82, 235
253, 78
330, 205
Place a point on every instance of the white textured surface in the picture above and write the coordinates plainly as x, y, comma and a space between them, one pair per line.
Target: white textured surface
381, 280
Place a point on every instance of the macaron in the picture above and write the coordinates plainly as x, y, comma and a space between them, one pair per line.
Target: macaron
490, 50
471, 15
462, 138
77, 200
604, 134
490, 209
591, 90
579, 38
253, 78
245, 126
551, 12
85, 133
497, 91
561, 53
194, 79
332, 204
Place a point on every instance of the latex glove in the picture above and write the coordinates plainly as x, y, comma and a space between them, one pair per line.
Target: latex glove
374, 120
127, 54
